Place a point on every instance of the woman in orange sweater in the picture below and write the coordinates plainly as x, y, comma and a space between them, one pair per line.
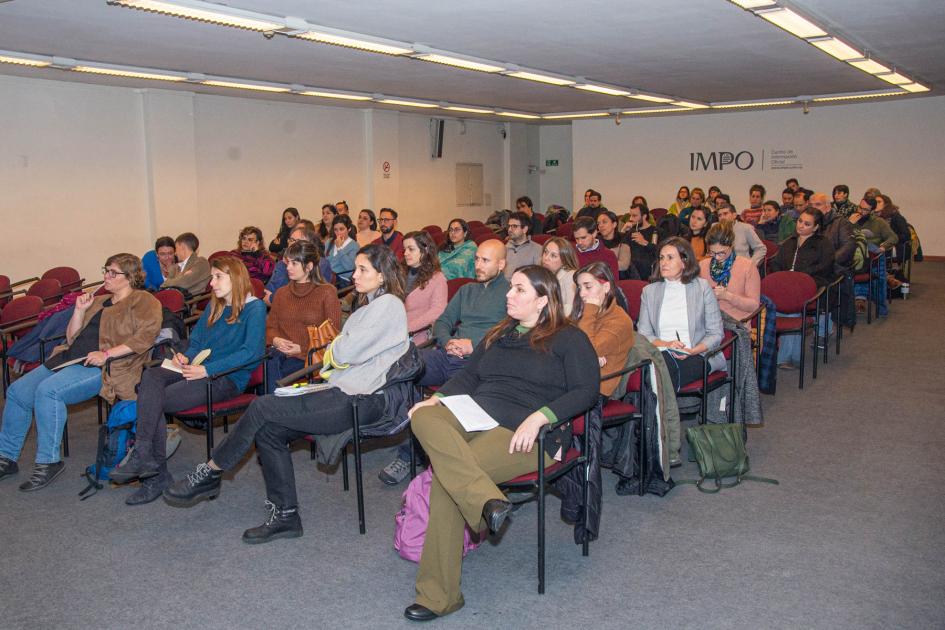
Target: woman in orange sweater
735, 279
306, 301
604, 322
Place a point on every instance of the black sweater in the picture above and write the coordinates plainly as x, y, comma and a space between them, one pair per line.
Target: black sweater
643, 256
815, 258
510, 380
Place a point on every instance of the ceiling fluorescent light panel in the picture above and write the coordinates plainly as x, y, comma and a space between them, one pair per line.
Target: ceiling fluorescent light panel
895, 78
354, 42
245, 86
870, 66
753, 4
23, 61
204, 12
914, 87
130, 73
341, 95
541, 78
458, 62
652, 99
602, 89
792, 22
836, 48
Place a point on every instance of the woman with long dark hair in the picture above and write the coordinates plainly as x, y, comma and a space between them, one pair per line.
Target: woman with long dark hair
458, 254
341, 250
560, 258
306, 301
356, 364
533, 368
425, 284
367, 228
612, 239
290, 218
329, 212
233, 328
699, 224
251, 250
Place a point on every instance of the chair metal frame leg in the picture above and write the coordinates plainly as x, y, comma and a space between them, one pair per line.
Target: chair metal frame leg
358, 473
541, 515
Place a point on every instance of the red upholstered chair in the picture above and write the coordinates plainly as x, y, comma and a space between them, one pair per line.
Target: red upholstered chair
541, 239
439, 238
452, 286
711, 381
657, 214
475, 224
633, 291
537, 483
16, 319
566, 230
771, 250
259, 289
171, 300
868, 277
432, 230
68, 278
48, 290
220, 254
6, 291
481, 237
204, 415
795, 293
541, 217
620, 410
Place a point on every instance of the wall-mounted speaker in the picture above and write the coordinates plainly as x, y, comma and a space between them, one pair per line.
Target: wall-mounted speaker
436, 137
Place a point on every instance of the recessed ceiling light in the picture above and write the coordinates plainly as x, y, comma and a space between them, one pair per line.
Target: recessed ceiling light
895, 78
870, 66
652, 99
752, 104
517, 115
203, 12
353, 42
791, 22
844, 97
131, 74
914, 87
656, 110
584, 115
541, 78
836, 48
399, 101
690, 104
458, 62
24, 61
602, 89
753, 4
245, 86
340, 95
471, 110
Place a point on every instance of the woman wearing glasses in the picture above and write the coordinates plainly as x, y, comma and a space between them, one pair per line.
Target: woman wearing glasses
734, 279
252, 252
120, 323
458, 254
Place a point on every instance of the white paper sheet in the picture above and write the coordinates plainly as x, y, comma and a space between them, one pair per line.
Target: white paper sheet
469, 413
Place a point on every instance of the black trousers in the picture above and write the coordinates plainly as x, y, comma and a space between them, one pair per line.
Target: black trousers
163, 391
273, 422
684, 371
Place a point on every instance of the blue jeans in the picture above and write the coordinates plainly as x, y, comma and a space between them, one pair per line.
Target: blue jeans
280, 365
46, 393
789, 346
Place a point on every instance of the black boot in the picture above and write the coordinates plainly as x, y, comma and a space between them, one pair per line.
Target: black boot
204, 482
135, 467
282, 523
151, 489
8, 467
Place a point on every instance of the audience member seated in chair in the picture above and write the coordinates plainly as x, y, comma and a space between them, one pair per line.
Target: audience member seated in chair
616, 242
560, 258
458, 254
387, 218
734, 279
367, 228
747, 242
251, 250
157, 263
342, 250
290, 218
425, 285
589, 246
306, 301
532, 369
280, 276
680, 315
810, 252
475, 309
122, 322
233, 328
357, 363
699, 224
192, 272
604, 322
520, 249
325, 231
642, 238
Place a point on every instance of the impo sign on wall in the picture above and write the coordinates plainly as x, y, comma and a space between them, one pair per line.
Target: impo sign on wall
746, 160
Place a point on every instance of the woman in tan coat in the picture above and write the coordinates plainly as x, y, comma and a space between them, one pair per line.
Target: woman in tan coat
122, 323
604, 322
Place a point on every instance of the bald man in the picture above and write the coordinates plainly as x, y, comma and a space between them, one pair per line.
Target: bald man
476, 307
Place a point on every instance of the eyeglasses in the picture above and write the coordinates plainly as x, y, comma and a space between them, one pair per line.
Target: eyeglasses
111, 273
719, 255
456, 229
384, 220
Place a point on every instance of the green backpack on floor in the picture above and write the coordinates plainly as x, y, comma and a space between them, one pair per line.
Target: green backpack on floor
719, 450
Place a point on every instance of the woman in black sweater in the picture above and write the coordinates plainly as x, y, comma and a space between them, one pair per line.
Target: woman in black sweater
532, 369
808, 250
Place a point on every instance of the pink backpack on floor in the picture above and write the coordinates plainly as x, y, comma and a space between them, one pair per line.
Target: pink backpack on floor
410, 523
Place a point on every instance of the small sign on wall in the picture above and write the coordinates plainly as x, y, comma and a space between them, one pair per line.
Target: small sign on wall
385, 167
551, 162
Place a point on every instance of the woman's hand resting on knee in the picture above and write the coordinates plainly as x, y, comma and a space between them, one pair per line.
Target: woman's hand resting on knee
429, 402
527, 433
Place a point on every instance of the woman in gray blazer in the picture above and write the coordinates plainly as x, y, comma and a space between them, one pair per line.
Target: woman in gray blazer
680, 315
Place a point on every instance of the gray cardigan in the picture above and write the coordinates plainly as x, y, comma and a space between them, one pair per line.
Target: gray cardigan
705, 319
372, 339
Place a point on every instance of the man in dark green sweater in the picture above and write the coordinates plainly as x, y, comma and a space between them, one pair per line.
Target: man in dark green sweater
476, 307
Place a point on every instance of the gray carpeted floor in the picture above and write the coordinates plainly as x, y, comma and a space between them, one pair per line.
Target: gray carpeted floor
854, 537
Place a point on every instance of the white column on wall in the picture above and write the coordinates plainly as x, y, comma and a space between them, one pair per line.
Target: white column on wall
556, 184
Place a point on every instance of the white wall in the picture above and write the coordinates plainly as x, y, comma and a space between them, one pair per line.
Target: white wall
898, 147
87, 170
556, 187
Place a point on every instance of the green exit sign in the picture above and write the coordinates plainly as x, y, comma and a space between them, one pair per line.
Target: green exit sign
551, 162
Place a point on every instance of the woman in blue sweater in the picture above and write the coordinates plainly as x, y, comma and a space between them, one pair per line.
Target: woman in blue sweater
356, 364
341, 250
233, 328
